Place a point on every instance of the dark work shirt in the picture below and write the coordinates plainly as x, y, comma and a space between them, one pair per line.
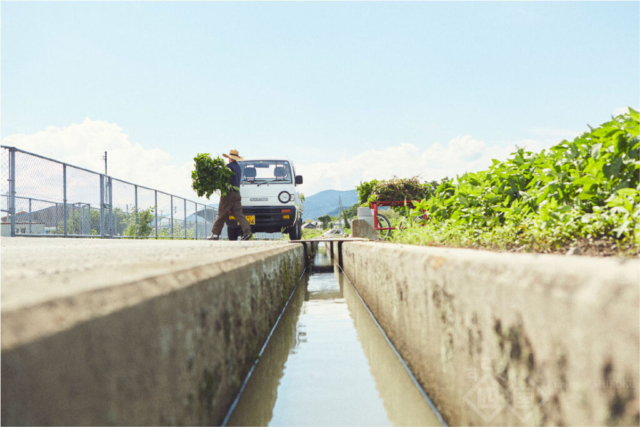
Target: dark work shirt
235, 179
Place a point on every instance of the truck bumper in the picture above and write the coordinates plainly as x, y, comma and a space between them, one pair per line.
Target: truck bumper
268, 219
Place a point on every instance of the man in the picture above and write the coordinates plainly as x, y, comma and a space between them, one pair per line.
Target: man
231, 202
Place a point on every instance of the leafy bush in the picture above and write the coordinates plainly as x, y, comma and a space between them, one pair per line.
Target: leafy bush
587, 188
364, 191
144, 227
211, 175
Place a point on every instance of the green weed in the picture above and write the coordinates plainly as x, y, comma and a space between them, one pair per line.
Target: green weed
586, 189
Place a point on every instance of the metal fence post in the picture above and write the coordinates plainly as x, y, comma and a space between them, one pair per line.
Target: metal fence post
185, 219
206, 221
112, 216
29, 215
64, 197
196, 234
156, 211
136, 196
101, 206
172, 217
12, 189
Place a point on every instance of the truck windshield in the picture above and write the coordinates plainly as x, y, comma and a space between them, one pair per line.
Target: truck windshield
260, 171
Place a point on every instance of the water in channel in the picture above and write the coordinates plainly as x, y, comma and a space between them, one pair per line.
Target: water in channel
327, 363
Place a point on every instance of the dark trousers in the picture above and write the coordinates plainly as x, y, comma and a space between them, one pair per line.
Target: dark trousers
230, 202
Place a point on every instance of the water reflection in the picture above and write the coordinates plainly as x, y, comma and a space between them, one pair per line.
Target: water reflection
256, 405
403, 402
328, 364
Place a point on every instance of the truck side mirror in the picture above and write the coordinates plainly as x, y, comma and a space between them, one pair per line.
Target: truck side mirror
298, 179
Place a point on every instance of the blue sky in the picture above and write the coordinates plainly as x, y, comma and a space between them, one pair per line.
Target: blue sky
321, 82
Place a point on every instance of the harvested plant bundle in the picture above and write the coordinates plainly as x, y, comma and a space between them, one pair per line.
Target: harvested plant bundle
395, 189
211, 175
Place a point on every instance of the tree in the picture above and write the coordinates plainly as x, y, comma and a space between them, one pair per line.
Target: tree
143, 228
325, 220
77, 221
345, 219
353, 211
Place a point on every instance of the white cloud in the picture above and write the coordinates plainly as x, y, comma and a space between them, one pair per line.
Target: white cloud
620, 110
84, 145
459, 155
555, 135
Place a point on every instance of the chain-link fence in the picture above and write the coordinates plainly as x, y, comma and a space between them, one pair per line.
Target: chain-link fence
45, 197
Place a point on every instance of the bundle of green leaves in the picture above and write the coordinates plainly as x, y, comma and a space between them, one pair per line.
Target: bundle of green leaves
395, 189
584, 189
211, 175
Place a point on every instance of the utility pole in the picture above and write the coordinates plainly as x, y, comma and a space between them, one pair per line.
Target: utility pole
105, 163
340, 214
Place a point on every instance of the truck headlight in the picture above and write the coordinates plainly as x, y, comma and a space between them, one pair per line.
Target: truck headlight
284, 197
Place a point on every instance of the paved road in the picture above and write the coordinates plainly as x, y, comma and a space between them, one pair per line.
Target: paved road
35, 270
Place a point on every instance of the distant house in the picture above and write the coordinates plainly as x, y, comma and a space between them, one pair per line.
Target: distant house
50, 216
312, 225
23, 228
339, 223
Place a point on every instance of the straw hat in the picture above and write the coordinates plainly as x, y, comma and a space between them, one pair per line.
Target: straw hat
233, 154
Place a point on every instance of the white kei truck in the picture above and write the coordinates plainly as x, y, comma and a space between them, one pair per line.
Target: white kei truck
269, 198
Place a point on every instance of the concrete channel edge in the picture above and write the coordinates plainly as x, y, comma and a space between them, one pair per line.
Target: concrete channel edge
508, 339
171, 349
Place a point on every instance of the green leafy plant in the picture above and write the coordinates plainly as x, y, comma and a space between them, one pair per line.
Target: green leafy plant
143, 228
583, 190
211, 175
364, 191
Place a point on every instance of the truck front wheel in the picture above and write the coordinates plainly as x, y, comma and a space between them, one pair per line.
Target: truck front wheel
295, 232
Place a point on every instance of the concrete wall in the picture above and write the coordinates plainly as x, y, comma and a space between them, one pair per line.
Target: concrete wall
166, 349
509, 339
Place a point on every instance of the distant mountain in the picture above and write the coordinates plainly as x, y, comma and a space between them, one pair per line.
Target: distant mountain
326, 202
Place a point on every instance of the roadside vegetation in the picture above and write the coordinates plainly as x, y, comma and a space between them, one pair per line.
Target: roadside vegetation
310, 233
582, 195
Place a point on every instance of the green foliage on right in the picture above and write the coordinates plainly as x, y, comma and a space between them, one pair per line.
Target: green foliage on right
211, 175
584, 189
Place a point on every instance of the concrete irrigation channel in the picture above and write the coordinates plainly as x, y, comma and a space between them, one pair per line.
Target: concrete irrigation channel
508, 339
111, 332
